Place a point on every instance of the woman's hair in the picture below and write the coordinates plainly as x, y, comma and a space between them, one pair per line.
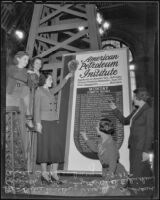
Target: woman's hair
33, 61
43, 77
106, 121
19, 54
143, 94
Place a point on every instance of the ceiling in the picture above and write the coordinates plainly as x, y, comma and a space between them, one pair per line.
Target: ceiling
135, 23
142, 15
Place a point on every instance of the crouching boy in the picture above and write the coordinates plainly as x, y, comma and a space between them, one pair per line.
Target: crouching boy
107, 150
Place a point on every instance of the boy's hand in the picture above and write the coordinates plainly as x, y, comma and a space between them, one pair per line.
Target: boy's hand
84, 135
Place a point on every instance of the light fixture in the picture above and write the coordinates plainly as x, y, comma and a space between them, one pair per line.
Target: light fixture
19, 34
103, 25
132, 67
101, 31
99, 18
81, 28
106, 25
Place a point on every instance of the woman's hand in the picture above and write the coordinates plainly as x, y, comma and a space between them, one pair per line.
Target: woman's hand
112, 105
145, 156
39, 127
84, 135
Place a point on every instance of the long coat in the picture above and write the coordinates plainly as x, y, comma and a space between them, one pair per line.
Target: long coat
140, 140
141, 129
13, 73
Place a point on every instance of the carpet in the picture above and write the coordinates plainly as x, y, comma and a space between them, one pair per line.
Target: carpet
75, 186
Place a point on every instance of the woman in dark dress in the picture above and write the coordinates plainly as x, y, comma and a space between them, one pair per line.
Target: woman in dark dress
48, 142
141, 139
34, 71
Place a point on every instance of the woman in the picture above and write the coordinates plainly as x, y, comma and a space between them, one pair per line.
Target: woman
141, 132
48, 142
17, 88
34, 71
33, 78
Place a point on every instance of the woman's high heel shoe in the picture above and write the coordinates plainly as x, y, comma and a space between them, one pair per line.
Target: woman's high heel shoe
45, 181
56, 181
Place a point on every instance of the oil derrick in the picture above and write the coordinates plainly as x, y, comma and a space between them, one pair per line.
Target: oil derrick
54, 31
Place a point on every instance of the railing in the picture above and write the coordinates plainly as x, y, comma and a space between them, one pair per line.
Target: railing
16, 175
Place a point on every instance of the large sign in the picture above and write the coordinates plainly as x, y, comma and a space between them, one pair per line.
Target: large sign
101, 76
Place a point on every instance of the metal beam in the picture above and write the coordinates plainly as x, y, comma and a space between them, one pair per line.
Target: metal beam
61, 27
33, 29
76, 36
48, 17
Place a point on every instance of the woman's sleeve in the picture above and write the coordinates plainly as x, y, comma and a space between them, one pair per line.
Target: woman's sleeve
149, 131
60, 86
122, 119
32, 81
92, 145
21, 76
37, 107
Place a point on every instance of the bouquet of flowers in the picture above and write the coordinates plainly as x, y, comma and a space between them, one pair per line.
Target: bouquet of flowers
72, 65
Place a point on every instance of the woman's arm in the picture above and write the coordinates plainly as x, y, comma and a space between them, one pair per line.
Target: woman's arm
37, 111
14, 73
89, 142
37, 106
118, 114
62, 84
122, 119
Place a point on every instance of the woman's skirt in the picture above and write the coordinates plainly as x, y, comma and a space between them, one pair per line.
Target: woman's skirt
49, 144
